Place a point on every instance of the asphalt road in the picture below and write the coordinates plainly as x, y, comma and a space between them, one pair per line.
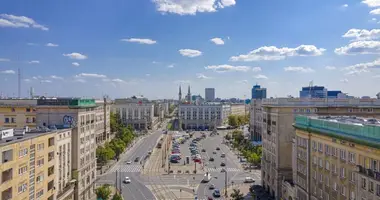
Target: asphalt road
234, 172
136, 190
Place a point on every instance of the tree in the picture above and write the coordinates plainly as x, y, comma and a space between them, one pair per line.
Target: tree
118, 146
237, 195
233, 120
114, 123
117, 197
103, 154
103, 192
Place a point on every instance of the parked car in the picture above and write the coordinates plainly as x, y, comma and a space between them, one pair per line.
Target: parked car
222, 164
249, 180
137, 159
216, 193
127, 180
223, 155
211, 187
128, 162
217, 148
211, 159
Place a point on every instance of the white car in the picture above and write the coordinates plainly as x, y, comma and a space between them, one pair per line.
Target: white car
249, 180
129, 162
127, 180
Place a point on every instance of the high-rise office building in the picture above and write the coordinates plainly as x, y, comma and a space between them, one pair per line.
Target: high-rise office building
210, 94
258, 92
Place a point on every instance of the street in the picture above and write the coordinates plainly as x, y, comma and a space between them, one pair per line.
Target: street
155, 183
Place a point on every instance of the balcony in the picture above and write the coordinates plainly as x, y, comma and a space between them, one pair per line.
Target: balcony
50, 170
7, 156
368, 172
50, 156
51, 141
67, 191
7, 194
6, 175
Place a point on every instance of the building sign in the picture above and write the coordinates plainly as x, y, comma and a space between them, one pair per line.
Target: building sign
68, 122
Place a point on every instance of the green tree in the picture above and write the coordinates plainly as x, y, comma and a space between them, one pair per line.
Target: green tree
233, 120
114, 123
118, 146
117, 197
237, 195
103, 154
103, 192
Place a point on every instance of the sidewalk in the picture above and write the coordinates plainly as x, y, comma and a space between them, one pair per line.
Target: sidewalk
244, 189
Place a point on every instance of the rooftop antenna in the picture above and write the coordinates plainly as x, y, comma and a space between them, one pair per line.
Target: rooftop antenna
19, 83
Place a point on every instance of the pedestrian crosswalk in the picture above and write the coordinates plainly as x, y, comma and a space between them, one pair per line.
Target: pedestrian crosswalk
219, 169
127, 168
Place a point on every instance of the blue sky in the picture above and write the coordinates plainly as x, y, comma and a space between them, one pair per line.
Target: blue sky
150, 47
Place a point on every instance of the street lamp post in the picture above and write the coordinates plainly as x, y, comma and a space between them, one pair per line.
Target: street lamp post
120, 180
225, 183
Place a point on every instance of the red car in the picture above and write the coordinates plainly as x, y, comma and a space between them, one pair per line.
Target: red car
209, 198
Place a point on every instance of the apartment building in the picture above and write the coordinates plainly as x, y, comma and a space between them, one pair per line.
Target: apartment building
102, 121
256, 120
238, 109
135, 111
203, 116
277, 131
337, 158
79, 115
18, 113
27, 165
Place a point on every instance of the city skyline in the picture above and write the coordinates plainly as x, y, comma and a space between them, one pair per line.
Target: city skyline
140, 47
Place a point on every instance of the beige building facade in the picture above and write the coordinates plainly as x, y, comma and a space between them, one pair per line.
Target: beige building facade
102, 121
337, 158
80, 116
18, 113
277, 132
239, 109
28, 165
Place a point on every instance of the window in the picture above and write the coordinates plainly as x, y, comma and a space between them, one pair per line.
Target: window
327, 181
27, 109
335, 186
327, 165
40, 178
6, 120
352, 177
40, 147
343, 190
40, 162
333, 168
370, 186
23, 152
321, 178
314, 174
327, 149
320, 147
22, 188
342, 172
22, 170
343, 154
364, 183
320, 162
40, 193
351, 157
314, 145
13, 120
51, 141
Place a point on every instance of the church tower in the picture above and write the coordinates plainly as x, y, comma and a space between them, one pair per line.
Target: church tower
179, 94
188, 95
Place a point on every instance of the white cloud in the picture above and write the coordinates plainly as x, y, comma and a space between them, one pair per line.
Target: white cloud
76, 56
84, 75
117, 80
363, 34
79, 80
140, 40
256, 69
171, 66
147, 74
51, 45
372, 3
260, 76
376, 76
37, 77
56, 77
375, 12
344, 80
360, 47
4, 60
274, 53
31, 44
362, 67
27, 80
227, 68
344, 5
155, 62
34, 62
190, 52
242, 82
299, 69
330, 68
75, 64
186, 7
217, 41
202, 76
8, 72
45, 81
14, 21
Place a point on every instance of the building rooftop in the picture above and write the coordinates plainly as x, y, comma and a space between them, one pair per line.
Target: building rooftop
364, 131
71, 102
321, 102
27, 136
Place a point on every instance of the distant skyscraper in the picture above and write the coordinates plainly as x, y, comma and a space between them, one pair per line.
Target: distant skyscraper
210, 94
313, 92
258, 92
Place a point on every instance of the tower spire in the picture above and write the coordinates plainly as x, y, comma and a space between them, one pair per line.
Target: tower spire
179, 93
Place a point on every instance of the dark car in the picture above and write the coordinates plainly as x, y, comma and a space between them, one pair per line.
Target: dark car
203, 150
217, 148
211, 159
137, 159
216, 193
222, 164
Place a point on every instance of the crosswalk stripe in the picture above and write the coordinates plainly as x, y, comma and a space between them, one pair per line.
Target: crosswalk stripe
219, 169
127, 168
